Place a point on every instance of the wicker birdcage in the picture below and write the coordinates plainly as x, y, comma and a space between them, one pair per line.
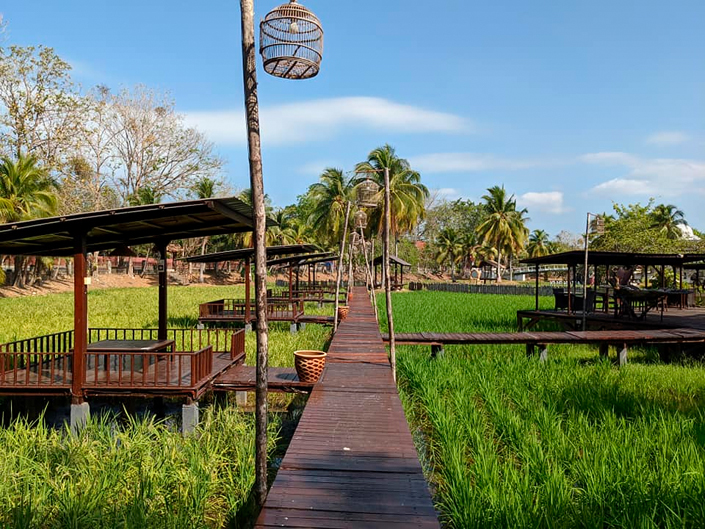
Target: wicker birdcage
367, 194
360, 219
291, 42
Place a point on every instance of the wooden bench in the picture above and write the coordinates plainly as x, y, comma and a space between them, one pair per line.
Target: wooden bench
621, 339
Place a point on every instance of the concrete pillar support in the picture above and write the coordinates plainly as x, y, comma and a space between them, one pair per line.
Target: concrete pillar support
80, 413
189, 417
292, 328
543, 352
241, 398
623, 355
248, 327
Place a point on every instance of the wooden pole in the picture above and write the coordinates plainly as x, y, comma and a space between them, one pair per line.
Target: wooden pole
247, 290
163, 282
536, 294
339, 268
80, 318
249, 73
291, 286
387, 278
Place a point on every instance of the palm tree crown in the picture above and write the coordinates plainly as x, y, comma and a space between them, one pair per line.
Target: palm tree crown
667, 219
407, 194
503, 228
26, 190
539, 244
330, 197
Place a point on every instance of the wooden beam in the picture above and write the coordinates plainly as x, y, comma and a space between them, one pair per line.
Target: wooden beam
230, 213
163, 283
80, 318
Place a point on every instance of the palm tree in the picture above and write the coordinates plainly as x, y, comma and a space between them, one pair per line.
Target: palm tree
667, 219
503, 228
538, 245
407, 194
204, 188
26, 192
330, 197
450, 248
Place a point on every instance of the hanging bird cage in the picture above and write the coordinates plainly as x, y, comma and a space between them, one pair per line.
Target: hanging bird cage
360, 220
291, 42
367, 194
598, 225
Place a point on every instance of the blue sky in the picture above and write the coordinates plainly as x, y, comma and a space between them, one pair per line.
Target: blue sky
571, 105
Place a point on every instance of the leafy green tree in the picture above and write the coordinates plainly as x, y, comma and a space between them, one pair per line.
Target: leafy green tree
634, 228
407, 194
503, 227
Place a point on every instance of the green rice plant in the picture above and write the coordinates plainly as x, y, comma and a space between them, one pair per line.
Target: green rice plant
574, 442
138, 474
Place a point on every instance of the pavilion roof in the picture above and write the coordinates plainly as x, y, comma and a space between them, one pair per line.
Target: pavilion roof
392, 259
242, 253
575, 257
107, 229
297, 260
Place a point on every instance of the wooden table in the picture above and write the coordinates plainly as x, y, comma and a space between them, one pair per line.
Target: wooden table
636, 304
131, 346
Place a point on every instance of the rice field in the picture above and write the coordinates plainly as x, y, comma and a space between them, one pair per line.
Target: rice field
136, 471
574, 442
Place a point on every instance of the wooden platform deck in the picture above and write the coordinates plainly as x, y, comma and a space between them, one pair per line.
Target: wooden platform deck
352, 460
244, 378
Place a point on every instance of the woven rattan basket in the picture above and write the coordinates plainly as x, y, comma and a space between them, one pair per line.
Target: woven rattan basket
309, 365
343, 312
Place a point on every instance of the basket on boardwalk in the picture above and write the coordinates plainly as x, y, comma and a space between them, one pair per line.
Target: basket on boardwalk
343, 312
309, 365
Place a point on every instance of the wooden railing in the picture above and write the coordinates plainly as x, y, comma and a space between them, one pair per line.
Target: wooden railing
32, 369
128, 370
46, 361
184, 339
234, 309
237, 345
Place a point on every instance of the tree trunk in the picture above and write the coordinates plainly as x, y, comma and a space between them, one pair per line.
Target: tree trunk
339, 268
499, 267
387, 278
257, 187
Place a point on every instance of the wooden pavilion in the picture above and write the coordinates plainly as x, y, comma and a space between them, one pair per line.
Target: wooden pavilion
123, 362
280, 306
613, 287
398, 266
311, 290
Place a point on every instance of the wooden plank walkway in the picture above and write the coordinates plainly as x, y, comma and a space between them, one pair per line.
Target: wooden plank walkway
352, 460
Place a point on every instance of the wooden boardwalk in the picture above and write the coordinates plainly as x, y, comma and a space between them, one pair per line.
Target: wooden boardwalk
352, 461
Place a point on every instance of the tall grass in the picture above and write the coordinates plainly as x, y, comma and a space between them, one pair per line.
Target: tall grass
135, 472
574, 442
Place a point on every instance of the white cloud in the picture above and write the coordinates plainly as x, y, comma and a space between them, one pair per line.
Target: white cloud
446, 193
547, 201
649, 176
466, 161
324, 118
667, 138
316, 167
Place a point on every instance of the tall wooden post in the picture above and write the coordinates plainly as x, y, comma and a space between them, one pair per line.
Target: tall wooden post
291, 286
339, 268
387, 277
80, 318
257, 186
247, 290
536, 293
163, 282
